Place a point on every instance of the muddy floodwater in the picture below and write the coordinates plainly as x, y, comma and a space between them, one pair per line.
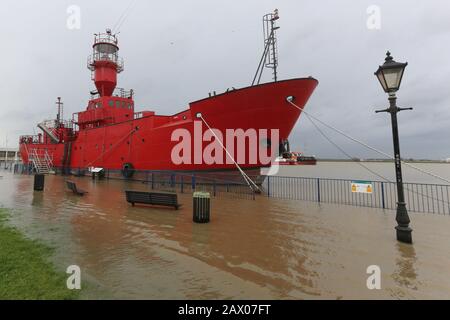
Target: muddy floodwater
252, 249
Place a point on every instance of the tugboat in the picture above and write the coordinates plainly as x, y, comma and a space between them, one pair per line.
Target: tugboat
110, 134
288, 157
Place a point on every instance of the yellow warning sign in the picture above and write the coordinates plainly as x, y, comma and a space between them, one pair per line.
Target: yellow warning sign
362, 187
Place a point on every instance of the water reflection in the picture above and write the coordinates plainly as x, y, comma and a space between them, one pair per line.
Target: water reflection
261, 249
243, 241
405, 274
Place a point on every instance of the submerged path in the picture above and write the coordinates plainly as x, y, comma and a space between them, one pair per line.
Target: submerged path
263, 248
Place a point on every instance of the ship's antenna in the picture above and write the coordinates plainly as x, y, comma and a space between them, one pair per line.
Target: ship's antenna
59, 116
269, 57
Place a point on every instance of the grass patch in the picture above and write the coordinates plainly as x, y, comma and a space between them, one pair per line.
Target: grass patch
25, 270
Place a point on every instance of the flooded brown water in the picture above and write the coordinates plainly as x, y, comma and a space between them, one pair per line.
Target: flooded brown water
252, 249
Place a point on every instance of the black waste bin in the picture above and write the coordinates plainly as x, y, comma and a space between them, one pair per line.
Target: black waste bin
39, 180
202, 207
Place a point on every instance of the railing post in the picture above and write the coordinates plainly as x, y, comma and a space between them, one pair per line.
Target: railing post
214, 188
153, 181
172, 180
193, 182
318, 189
382, 195
268, 186
182, 184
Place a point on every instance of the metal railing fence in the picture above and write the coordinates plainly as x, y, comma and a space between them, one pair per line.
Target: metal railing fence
420, 197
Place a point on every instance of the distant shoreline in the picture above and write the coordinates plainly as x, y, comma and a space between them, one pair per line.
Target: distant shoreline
383, 160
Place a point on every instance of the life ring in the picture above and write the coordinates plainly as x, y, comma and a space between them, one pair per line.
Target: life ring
127, 170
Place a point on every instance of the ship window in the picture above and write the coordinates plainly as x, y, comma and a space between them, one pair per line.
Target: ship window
117, 104
124, 105
99, 104
111, 103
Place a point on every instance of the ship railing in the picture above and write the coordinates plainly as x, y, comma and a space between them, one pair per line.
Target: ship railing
105, 38
67, 124
49, 123
118, 92
41, 160
53, 123
40, 153
111, 57
122, 93
30, 139
138, 115
48, 159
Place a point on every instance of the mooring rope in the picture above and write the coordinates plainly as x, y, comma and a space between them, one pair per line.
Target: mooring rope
367, 168
368, 146
247, 179
343, 151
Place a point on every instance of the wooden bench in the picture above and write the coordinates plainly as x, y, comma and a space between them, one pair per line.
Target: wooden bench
73, 186
169, 199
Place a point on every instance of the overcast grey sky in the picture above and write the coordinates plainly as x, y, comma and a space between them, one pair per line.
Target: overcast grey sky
177, 51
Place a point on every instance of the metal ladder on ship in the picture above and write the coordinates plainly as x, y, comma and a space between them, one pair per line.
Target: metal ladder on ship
43, 164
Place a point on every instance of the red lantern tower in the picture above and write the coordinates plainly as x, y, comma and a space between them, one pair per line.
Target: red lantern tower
105, 63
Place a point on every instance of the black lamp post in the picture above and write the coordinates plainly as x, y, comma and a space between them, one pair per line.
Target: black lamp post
390, 75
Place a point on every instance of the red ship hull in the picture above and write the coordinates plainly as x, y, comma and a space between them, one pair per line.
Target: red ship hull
146, 141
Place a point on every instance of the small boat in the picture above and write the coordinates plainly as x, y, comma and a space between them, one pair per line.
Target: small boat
295, 158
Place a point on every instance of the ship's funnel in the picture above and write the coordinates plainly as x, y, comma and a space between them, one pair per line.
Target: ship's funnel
105, 63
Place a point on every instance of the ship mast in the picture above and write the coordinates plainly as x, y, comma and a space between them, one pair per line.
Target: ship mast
59, 115
269, 58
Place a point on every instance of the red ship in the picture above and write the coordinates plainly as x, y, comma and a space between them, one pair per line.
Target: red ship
109, 134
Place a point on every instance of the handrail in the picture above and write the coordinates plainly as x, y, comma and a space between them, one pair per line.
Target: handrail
43, 126
105, 38
350, 180
112, 57
42, 164
29, 139
118, 92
